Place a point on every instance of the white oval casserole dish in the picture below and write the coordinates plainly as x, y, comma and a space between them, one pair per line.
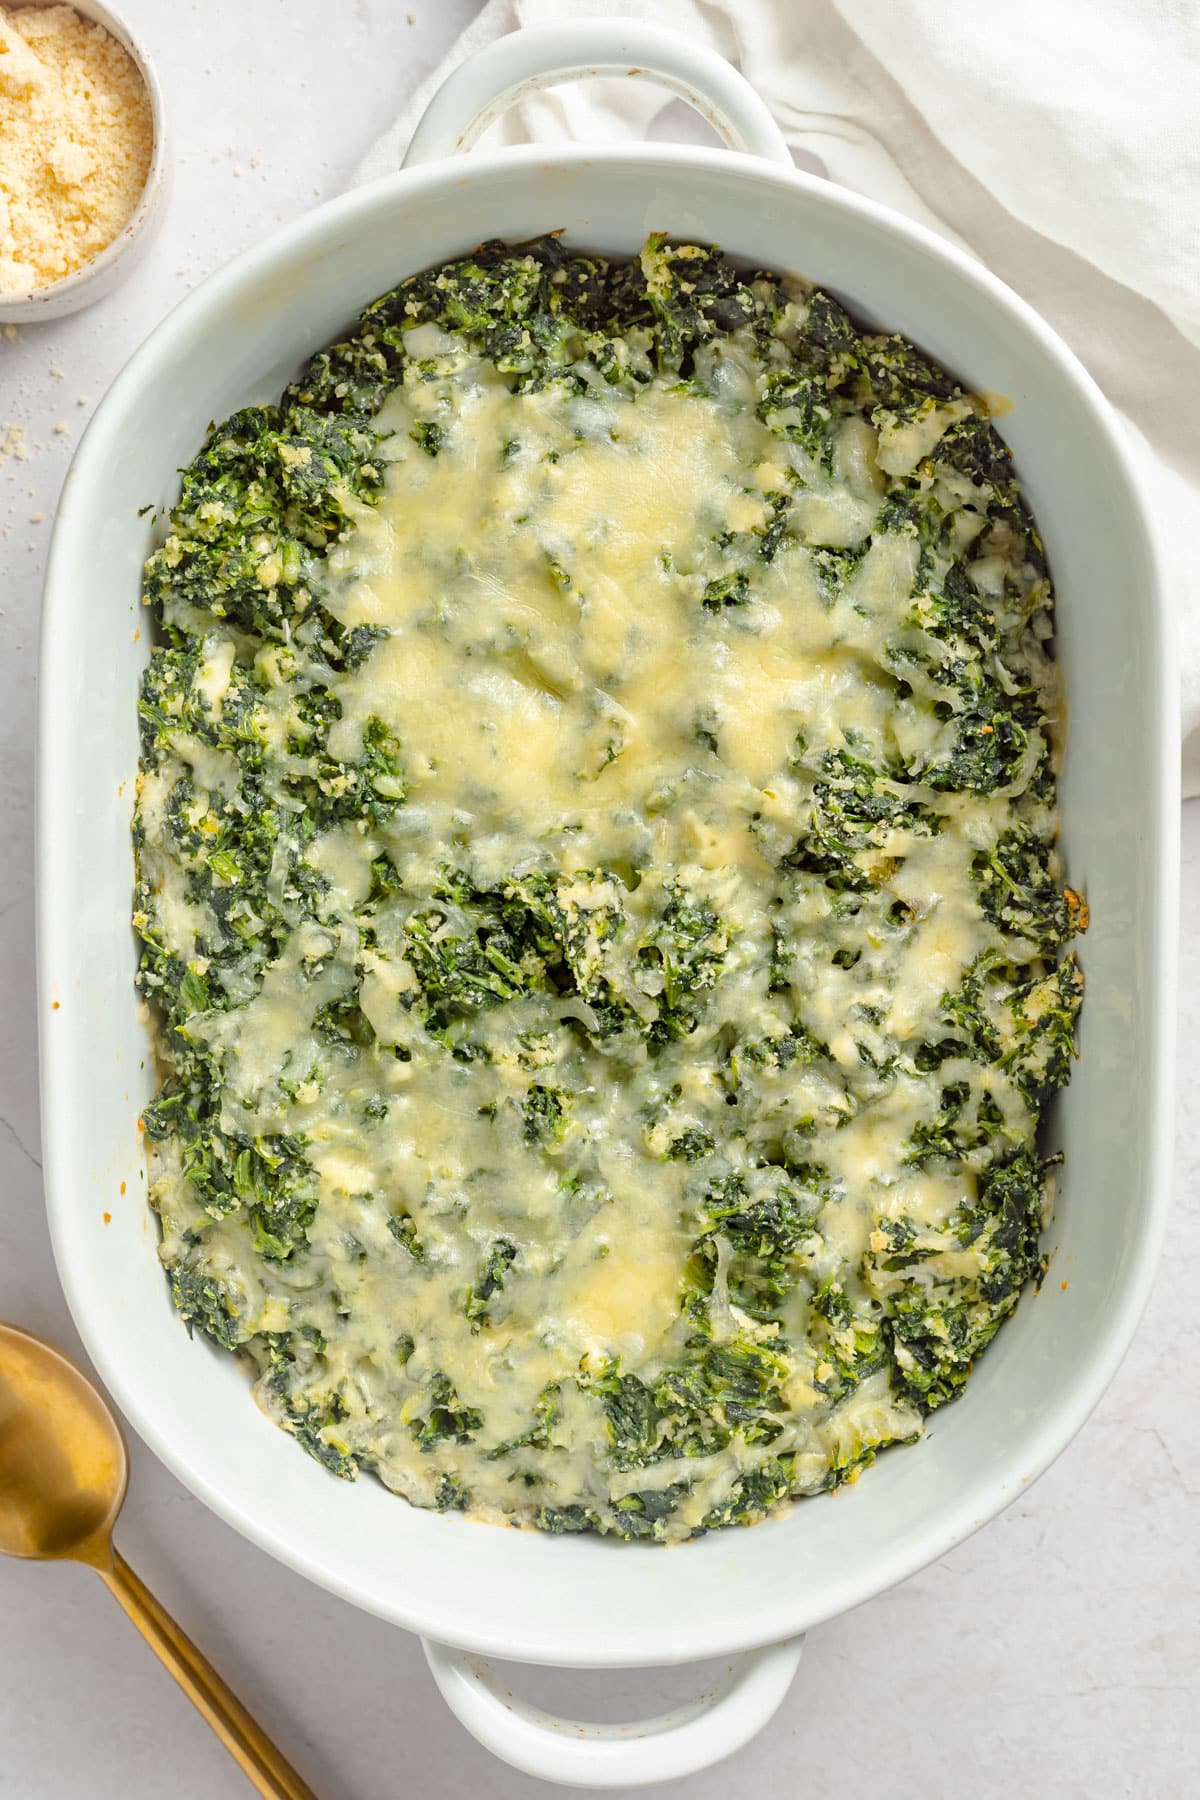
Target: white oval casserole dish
584, 1601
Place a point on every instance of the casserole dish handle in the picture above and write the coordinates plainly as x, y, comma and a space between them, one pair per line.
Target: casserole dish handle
691, 1737
541, 56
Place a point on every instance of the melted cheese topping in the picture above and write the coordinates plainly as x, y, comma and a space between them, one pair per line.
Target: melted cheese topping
513, 1191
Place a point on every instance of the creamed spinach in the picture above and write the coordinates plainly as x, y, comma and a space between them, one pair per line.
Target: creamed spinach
597, 891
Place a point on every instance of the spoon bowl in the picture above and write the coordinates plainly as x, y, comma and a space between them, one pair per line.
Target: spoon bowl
63, 1474
63, 1466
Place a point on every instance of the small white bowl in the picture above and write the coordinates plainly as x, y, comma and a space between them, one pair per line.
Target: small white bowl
104, 271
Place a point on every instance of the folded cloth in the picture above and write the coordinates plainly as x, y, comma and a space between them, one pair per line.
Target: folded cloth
1058, 142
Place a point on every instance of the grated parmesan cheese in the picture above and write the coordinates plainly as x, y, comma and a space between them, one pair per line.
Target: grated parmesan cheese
76, 136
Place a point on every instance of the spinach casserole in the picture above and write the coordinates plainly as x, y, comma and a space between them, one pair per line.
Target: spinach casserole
597, 891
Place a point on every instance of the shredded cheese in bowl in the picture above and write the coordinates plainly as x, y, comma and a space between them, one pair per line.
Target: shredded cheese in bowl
76, 140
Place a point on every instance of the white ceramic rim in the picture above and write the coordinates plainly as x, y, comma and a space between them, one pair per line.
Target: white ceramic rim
1054, 1432
99, 275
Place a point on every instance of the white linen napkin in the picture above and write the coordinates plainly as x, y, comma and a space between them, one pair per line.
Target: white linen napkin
1059, 140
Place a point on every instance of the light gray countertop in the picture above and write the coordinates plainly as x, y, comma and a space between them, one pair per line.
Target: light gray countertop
1056, 1654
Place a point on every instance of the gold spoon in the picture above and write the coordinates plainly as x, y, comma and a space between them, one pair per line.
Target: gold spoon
63, 1472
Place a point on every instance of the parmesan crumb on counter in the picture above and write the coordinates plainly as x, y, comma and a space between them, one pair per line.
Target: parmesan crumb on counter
76, 136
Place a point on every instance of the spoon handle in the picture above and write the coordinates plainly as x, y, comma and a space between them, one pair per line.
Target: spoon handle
245, 1740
